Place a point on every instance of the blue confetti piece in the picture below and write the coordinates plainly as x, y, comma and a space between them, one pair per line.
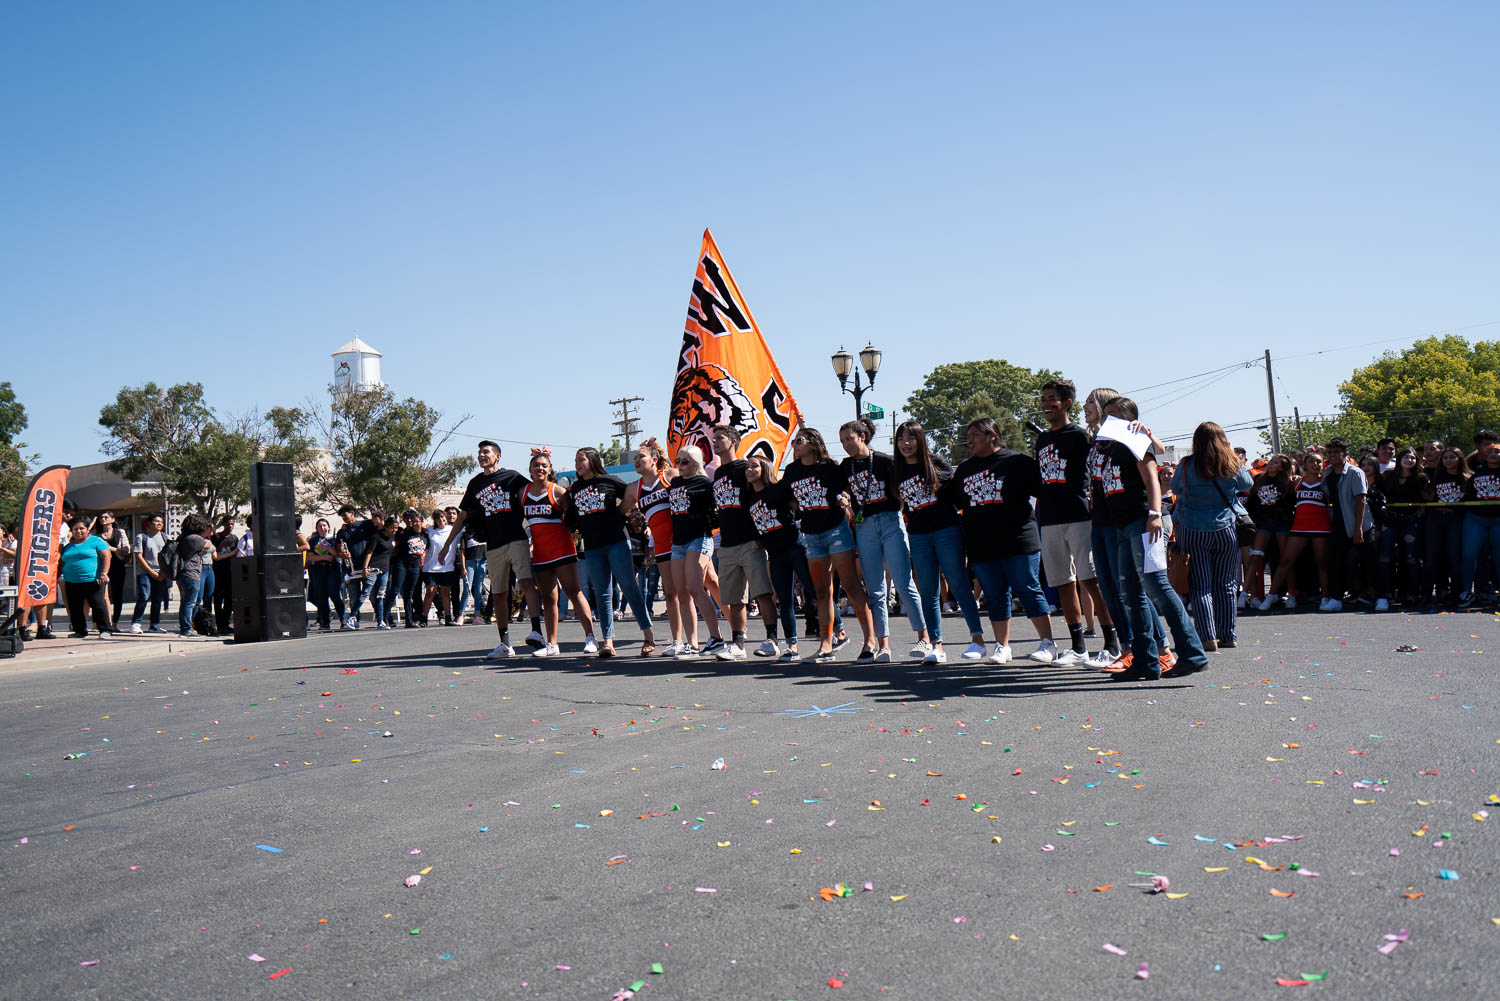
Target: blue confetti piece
1231, 846
268, 848
812, 801
584, 826
1089, 785
1199, 837
484, 830
1447, 874
579, 771
1156, 841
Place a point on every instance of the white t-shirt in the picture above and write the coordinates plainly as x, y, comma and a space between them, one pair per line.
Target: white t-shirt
435, 539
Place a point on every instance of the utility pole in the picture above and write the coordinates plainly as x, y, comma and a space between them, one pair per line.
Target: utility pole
626, 423
1301, 441
1271, 395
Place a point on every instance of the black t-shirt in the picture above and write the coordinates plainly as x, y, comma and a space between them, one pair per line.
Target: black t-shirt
226, 544
596, 503
357, 537
491, 500
994, 495
1398, 491
1117, 482
872, 483
730, 492
380, 553
692, 500
1484, 486
925, 510
771, 514
411, 548
1270, 502
1448, 488
1063, 456
815, 489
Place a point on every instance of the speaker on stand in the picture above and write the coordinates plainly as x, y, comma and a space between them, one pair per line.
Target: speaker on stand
269, 592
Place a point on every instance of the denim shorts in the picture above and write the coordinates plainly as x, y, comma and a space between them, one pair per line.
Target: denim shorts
821, 545
703, 544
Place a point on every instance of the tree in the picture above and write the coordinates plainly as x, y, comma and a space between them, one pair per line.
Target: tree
955, 394
1317, 430
15, 467
172, 436
381, 451
613, 454
1440, 387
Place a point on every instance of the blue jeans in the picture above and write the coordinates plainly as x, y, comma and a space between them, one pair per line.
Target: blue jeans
379, 596
881, 540
1139, 591
358, 590
1479, 528
607, 566
323, 585
943, 550
187, 603
999, 577
403, 582
647, 579
208, 584
152, 592
784, 565
1106, 542
475, 575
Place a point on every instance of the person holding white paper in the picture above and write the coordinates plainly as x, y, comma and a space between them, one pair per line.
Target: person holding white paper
1133, 497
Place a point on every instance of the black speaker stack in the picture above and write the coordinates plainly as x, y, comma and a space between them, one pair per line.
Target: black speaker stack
270, 601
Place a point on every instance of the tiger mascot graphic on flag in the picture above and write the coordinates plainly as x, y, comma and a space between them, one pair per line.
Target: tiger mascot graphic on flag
705, 397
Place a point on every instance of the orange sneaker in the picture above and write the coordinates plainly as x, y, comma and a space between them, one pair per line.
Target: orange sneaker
1121, 664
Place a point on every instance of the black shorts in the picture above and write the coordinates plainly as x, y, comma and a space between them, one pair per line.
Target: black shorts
442, 578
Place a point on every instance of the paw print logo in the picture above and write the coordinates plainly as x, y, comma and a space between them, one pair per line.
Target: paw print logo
38, 590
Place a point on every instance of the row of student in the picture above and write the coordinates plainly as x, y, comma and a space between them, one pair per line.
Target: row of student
1429, 518
869, 515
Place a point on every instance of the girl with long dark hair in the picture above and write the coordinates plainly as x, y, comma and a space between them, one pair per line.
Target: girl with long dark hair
1205, 486
935, 538
597, 501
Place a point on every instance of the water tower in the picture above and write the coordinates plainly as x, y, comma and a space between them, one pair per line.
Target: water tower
356, 368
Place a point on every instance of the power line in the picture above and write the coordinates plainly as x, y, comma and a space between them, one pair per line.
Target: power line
1392, 340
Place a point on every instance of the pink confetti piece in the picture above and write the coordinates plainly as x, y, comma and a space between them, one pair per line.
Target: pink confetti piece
256, 957
869, 886
416, 851
704, 889
1395, 852
830, 823
564, 967
89, 962
411, 881
960, 920
1049, 848
1143, 972
1114, 949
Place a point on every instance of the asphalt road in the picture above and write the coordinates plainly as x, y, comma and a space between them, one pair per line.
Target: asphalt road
572, 830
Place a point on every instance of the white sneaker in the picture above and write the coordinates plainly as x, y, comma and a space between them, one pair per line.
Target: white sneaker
730, 651
1381, 605
1291, 602
790, 654
883, 655
1000, 655
536, 639
1046, 653
1071, 658
974, 652
948, 607
500, 652
135, 628
768, 648
1243, 601
1268, 602
669, 650
590, 645
550, 650
687, 652
936, 656
1101, 660
921, 650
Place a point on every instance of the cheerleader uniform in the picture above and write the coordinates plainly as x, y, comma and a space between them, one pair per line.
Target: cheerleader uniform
656, 507
1311, 514
551, 543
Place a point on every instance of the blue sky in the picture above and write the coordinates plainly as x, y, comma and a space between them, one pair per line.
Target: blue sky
507, 200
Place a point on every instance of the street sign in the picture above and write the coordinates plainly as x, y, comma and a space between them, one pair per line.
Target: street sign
873, 412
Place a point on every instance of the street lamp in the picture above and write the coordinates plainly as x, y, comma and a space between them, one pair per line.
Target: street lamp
843, 364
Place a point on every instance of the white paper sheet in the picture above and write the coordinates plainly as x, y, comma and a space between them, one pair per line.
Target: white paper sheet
1156, 552
1117, 430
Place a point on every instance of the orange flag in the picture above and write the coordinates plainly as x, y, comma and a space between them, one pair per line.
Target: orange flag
38, 547
725, 373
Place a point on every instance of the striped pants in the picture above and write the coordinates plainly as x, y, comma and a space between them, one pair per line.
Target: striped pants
1213, 580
